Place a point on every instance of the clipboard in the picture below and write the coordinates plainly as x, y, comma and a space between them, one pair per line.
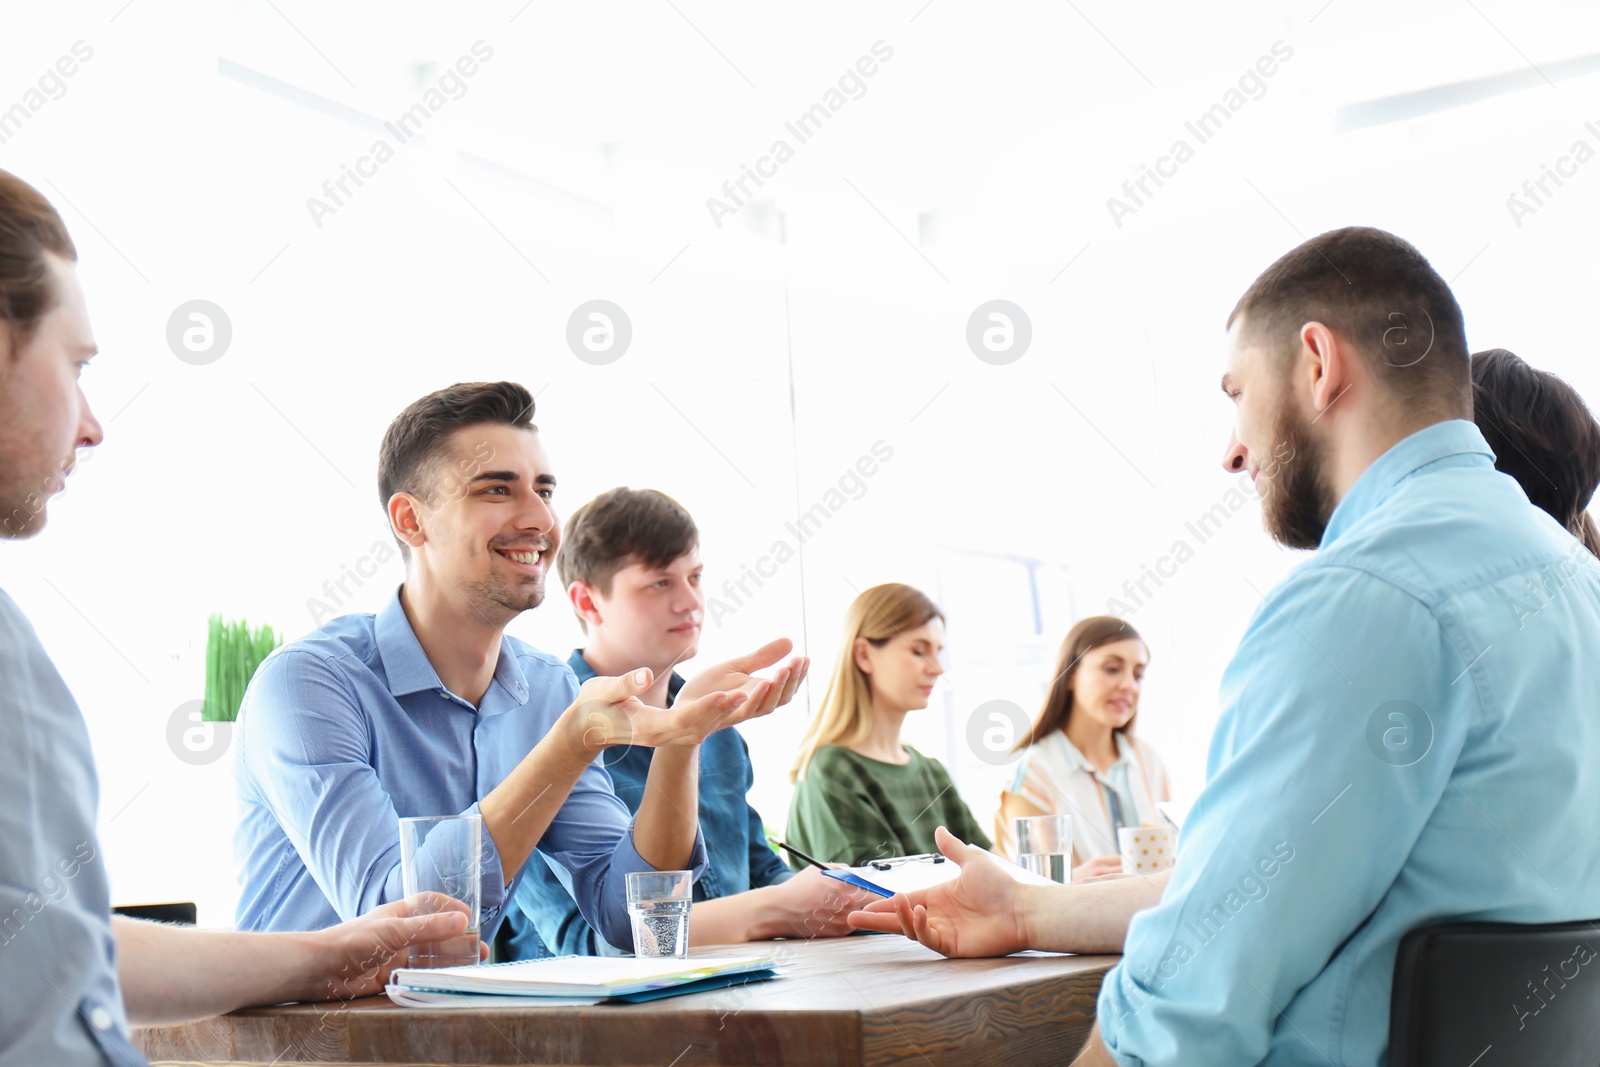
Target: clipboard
907, 874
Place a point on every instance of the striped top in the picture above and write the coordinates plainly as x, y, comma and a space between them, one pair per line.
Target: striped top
1055, 777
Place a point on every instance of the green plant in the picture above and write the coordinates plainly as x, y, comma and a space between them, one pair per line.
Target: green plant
233, 652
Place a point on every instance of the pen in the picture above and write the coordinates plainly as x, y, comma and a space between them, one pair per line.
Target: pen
797, 854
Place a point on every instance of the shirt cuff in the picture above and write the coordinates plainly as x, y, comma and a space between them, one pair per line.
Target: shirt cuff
613, 925
493, 891
1116, 1010
627, 857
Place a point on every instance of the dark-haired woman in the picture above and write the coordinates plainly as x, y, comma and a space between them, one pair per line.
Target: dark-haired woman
1543, 435
1080, 758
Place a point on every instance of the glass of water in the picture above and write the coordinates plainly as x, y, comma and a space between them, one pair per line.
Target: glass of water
444, 854
658, 907
1044, 846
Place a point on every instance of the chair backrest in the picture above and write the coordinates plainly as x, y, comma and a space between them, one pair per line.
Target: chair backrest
183, 914
1490, 994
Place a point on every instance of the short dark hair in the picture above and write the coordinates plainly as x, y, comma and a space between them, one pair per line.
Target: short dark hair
1543, 435
1379, 293
416, 440
619, 527
29, 227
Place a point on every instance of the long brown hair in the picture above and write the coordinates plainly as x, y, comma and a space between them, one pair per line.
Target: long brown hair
845, 717
1088, 635
1543, 435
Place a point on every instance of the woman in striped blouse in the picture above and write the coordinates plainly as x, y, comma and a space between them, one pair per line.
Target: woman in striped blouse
1081, 758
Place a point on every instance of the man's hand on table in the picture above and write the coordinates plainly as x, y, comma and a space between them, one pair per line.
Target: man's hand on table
980, 913
809, 905
986, 912
355, 959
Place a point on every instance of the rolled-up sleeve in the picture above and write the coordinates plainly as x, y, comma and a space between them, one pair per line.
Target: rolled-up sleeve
590, 849
307, 749
1309, 814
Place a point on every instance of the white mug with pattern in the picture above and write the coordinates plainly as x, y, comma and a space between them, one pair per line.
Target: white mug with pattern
1147, 849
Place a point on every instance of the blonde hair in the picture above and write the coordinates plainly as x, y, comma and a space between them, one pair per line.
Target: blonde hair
845, 717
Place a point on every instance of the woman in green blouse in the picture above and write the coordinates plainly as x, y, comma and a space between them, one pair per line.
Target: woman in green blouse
859, 793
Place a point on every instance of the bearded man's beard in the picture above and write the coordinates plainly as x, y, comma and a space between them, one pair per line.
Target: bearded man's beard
1296, 499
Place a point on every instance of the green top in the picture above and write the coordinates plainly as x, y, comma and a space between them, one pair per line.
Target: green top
852, 809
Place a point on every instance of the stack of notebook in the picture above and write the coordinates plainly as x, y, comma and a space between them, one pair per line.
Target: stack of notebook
572, 980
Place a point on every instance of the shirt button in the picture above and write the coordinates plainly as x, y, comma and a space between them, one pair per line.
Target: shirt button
100, 1018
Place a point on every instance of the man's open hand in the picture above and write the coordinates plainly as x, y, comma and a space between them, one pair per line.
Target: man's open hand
608, 712
977, 914
739, 674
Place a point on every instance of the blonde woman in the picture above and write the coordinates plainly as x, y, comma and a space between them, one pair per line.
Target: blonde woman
860, 794
1080, 758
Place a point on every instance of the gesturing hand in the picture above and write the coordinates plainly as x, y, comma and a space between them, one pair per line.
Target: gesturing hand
608, 712
739, 674
356, 958
976, 914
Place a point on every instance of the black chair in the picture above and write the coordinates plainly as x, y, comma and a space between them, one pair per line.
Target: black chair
178, 914
1497, 994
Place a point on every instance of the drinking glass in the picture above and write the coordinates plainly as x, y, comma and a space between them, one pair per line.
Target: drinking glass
1044, 846
444, 854
658, 907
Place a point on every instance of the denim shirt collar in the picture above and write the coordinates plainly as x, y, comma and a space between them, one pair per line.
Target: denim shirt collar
1453, 437
408, 670
581, 668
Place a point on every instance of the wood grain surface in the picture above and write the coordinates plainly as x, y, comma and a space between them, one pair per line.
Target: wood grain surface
852, 1002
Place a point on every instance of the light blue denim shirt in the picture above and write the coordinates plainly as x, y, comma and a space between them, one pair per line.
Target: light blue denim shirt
59, 1000
1410, 734
343, 732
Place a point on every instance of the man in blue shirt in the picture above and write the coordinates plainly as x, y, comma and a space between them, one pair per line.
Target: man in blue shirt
1410, 728
428, 708
630, 564
72, 977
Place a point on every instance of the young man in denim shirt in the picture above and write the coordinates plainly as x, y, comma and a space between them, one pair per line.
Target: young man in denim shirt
630, 564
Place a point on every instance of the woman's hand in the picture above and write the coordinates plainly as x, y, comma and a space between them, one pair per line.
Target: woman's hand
1099, 867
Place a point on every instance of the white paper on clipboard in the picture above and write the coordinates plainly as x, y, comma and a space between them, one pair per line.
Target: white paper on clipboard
907, 874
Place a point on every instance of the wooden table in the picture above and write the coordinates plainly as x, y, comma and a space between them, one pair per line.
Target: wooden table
850, 1002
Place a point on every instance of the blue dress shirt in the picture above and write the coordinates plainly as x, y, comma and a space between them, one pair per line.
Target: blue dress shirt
343, 732
1410, 734
59, 1000
545, 920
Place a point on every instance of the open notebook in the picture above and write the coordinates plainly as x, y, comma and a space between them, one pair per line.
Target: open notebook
571, 980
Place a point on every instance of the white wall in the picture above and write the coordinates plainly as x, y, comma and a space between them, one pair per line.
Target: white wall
577, 165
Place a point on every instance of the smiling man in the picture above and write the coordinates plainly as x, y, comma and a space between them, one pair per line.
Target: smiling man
1396, 747
428, 708
631, 568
